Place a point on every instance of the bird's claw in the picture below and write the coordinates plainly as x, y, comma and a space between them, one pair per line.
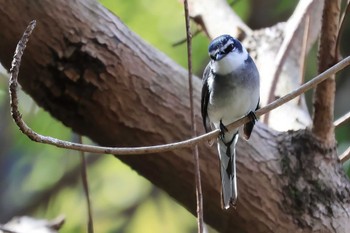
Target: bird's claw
252, 116
248, 127
223, 129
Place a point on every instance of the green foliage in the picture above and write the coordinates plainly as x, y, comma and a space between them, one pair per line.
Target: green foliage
242, 8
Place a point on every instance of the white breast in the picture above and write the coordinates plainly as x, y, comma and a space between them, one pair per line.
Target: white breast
230, 62
234, 106
232, 95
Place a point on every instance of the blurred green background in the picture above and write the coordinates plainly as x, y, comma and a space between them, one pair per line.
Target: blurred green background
44, 181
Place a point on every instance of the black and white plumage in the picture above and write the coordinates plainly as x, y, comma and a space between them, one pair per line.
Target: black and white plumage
230, 91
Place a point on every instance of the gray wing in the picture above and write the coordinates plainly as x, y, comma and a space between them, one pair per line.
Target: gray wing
205, 98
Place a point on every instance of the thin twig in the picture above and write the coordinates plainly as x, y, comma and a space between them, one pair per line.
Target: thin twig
342, 120
84, 178
180, 42
199, 197
149, 149
16, 62
303, 53
345, 156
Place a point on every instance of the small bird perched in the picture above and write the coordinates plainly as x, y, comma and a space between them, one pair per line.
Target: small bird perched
231, 90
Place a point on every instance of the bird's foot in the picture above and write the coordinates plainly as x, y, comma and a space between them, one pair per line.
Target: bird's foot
223, 129
233, 203
252, 116
248, 128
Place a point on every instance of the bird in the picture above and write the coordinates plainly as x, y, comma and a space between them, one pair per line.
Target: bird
230, 90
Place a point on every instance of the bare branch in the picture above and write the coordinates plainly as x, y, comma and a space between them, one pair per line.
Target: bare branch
342, 120
84, 178
303, 54
149, 149
345, 156
199, 197
325, 92
16, 62
180, 42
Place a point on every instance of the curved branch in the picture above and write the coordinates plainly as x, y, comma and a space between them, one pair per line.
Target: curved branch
148, 149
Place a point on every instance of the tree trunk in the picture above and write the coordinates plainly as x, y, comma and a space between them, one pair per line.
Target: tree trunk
89, 71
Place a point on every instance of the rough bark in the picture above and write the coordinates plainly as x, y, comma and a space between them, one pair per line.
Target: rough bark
90, 72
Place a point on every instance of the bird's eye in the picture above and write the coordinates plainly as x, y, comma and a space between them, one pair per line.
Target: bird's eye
229, 48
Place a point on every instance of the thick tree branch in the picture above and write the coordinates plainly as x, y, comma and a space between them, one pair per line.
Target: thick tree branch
325, 92
220, 21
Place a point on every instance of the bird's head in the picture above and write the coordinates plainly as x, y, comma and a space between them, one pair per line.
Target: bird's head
223, 45
227, 53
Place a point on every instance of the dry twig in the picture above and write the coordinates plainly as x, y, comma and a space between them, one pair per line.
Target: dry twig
303, 53
180, 42
84, 178
199, 197
342, 120
149, 149
345, 156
